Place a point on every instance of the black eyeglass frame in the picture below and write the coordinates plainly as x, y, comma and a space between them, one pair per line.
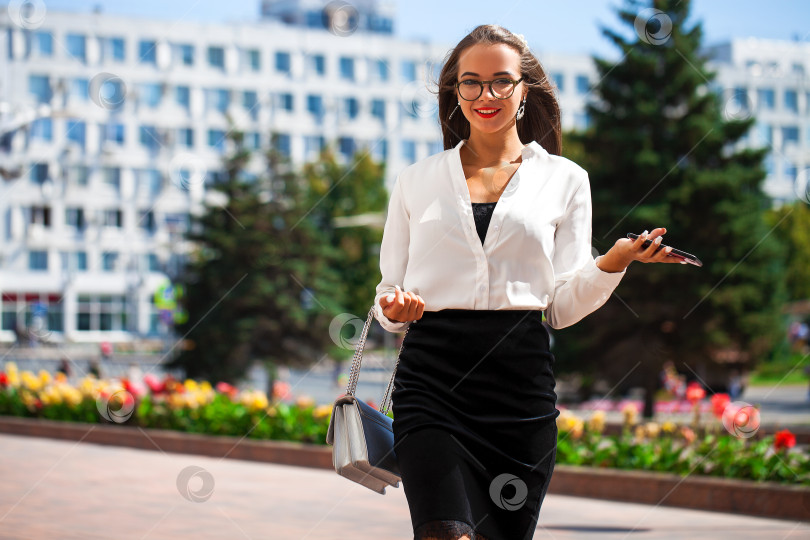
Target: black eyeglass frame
481, 86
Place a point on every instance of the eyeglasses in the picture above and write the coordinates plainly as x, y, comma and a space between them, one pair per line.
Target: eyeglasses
470, 89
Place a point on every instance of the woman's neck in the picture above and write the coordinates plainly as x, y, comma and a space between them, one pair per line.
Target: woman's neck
487, 148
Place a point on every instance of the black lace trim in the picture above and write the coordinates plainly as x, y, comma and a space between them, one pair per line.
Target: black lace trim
446, 530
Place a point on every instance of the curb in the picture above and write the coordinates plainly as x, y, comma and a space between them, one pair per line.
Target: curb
761, 499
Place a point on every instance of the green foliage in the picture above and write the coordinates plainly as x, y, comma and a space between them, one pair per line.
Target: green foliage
660, 153
792, 223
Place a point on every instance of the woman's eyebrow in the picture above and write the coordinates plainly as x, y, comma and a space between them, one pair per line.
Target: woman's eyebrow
494, 74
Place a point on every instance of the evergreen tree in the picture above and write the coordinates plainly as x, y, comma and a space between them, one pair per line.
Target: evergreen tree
659, 152
263, 285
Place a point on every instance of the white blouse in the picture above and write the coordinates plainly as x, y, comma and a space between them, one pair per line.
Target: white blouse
537, 250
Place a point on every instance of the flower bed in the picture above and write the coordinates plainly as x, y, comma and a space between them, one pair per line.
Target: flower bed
198, 407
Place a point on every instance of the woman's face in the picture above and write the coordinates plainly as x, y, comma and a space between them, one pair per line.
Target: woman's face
484, 63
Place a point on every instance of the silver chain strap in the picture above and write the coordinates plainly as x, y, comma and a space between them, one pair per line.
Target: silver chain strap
357, 360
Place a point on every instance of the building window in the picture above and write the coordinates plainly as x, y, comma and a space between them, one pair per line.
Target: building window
149, 137
74, 261
216, 57
792, 101
40, 215
39, 173
152, 262
74, 217
102, 313
583, 86
434, 147
313, 144
379, 150
408, 70
147, 51
283, 144
378, 109
559, 81
766, 98
182, 95
790, 135
765, 134
315, 105
254, 59
40, 87
216, 139
350, 107
316, 64
38, 260
409, 151
346, 68
218, 99
111, 176
116, 49
149, 181
382, 71
78, 175
77, 46
186, 54
149, 94
112, 132
185, 137
44, 44
790, 171
346, 146
76, 131
250, 100
111, 218
42, 129
286, 102
80, 89
282, 62
146, 220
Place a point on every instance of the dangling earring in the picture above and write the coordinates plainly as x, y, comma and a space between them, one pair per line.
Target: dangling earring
454, 111
521, 109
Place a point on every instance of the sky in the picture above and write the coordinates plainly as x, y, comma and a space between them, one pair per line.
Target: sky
568, 26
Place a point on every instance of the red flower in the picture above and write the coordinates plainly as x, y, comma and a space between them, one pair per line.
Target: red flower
784, 439
227, 389
3, 379
155, 386
694, 393
719, 403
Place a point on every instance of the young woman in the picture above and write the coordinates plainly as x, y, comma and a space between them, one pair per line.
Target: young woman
480, 240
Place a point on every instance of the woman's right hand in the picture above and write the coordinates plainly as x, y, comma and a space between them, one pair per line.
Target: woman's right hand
402, 306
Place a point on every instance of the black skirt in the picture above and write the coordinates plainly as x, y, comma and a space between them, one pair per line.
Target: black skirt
475, 429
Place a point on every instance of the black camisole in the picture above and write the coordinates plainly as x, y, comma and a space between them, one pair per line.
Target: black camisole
482, 212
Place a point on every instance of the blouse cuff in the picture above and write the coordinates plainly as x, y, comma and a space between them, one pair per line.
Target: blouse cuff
603, 279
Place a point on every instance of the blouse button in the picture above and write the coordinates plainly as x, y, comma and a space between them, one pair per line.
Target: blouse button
482, 288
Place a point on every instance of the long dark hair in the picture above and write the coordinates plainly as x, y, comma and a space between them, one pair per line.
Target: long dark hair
541, 119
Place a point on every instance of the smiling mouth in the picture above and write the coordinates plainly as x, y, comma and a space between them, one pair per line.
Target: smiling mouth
487, 113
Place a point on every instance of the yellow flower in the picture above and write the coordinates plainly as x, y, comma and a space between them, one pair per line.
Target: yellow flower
596, 423
570, 423
254, 400
206, 387
304, 402
191, 385
322, 411
630, 412
639, 433
652, 429
31, 381
44, 377
61, 377
177, 401
668, 427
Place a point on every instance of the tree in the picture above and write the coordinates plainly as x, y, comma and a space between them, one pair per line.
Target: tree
263, 283
660, 153
792, 222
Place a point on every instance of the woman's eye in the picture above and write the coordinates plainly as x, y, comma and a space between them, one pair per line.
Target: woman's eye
502, 81
469, 82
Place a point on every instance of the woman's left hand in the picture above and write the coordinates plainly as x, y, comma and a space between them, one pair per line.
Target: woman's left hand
627, 250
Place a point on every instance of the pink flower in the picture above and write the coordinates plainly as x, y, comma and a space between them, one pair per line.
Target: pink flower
281, 390
227, 389
719, 403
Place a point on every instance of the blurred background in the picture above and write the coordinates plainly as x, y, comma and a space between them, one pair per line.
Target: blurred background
199, 188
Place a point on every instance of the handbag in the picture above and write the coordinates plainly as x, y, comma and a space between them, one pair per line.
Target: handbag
362, 437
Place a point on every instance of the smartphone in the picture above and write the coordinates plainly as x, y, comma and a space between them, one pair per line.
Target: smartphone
688, 257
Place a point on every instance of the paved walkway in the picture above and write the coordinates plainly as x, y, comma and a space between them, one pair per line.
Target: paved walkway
68, 490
